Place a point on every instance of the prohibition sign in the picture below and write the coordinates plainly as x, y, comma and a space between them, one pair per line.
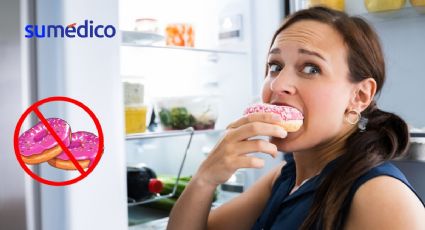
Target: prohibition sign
34, 108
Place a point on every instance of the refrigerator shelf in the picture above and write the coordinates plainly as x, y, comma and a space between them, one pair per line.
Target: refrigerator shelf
140, 38
189, 49
132, 202
163, 134
189, 131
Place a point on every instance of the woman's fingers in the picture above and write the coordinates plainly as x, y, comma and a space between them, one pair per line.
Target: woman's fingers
253, 146
230, 153
260, 116
256, 129
256, 124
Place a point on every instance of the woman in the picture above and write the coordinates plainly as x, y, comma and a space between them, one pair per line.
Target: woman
329, 66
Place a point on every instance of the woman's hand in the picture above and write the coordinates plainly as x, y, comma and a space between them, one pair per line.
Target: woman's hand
230, 153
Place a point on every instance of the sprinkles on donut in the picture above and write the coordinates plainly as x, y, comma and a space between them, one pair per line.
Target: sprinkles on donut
84, 147
37, 145
292, 117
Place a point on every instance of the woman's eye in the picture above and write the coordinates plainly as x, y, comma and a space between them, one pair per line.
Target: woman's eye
274, 67
311, 69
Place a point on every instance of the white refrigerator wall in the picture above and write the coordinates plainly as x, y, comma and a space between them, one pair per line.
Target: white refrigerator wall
86, 70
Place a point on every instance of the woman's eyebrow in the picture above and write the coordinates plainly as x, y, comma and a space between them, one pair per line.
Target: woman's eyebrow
274, 51
301, 51
309, 52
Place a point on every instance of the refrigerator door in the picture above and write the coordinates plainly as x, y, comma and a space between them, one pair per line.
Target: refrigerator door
84, 69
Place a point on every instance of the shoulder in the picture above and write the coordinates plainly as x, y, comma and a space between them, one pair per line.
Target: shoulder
385, 202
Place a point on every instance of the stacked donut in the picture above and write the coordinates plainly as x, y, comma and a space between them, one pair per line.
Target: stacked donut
37, 145
292, 117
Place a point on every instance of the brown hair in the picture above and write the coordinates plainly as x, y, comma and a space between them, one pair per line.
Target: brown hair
386, 136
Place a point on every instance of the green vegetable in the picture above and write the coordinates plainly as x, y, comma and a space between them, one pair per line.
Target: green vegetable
176, 118
165, 117
167, 204
170, 181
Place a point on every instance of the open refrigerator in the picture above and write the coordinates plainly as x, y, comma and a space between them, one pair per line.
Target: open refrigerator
93, 71
220, 55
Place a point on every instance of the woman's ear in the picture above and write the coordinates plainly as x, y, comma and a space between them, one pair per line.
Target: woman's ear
363, 94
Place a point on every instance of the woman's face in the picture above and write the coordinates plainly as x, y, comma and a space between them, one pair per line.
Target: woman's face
308, 70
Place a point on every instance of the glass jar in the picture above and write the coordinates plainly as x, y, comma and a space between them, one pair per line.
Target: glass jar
176, 113
147, 25
136, 111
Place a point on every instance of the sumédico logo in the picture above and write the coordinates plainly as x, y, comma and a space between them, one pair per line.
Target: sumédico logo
86, 30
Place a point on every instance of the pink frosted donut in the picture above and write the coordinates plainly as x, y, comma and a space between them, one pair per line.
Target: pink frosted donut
37, 145
84, 147
293, 118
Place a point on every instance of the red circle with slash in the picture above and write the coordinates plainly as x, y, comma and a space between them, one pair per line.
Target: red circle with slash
34, 108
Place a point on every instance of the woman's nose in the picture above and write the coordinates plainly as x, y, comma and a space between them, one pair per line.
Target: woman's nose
283, 84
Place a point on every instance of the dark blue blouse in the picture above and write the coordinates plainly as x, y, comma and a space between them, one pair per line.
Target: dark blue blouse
288, 211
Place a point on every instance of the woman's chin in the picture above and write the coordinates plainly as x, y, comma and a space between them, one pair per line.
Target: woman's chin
288, 144
283, 144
